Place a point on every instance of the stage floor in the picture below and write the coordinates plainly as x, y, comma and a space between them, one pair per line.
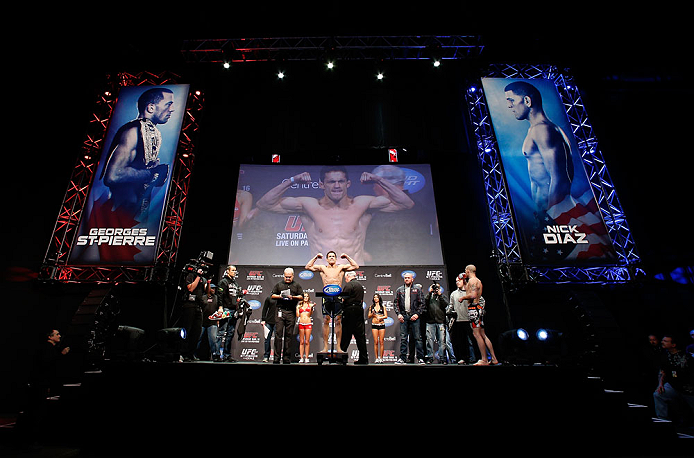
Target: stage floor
127, 409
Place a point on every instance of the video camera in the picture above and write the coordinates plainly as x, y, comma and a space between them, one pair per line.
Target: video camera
202, 263
435, 287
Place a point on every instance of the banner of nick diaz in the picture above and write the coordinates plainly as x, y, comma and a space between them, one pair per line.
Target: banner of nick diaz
558, 218
378, 215
122, 216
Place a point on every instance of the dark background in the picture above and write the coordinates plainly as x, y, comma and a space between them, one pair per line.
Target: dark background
629, 67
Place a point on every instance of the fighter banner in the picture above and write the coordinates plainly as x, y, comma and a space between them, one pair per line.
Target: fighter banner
122, 216
557, 215
259, 281
378, 215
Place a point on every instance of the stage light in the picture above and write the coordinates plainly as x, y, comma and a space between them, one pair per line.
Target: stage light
126, 344
331, 65
227, 65
515, 347
437, 63
170, 342
542, 335
280, 75
380, 76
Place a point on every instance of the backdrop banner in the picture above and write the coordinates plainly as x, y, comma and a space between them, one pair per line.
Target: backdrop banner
384, 280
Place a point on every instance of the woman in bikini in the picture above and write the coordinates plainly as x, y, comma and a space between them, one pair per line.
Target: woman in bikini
304, 310
378, 314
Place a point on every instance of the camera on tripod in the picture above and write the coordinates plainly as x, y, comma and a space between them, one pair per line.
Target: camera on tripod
201, 264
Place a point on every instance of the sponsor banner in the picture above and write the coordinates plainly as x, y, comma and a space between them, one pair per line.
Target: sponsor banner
122, 215
557, 216
384, 280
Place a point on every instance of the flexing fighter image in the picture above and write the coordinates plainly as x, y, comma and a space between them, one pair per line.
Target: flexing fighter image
336, 220
331, 274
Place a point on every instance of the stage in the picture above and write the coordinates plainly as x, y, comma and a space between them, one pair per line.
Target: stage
126, 409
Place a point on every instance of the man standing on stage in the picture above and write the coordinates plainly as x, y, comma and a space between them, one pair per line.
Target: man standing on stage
228, 292
409, 306
191, 311
336, 219
353, 319
331, 274
473, 294
287, 293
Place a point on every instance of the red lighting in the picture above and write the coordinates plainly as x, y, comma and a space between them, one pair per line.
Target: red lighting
392, 155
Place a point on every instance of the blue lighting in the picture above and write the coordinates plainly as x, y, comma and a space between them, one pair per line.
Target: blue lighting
522, 334
542, 334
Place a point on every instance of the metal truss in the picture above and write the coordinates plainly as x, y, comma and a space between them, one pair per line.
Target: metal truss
338, 48
511, 267
55, 264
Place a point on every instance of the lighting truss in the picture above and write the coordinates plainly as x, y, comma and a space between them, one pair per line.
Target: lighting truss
512, 269
55, 264
338, 48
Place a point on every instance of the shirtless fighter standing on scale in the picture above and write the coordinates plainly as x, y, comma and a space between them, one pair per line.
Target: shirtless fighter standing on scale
331, 274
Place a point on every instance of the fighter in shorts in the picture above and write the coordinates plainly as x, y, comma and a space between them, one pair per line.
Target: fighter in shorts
332, 274
473, 294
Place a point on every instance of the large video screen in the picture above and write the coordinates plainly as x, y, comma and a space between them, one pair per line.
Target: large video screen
557, 216
122, 215
379, 215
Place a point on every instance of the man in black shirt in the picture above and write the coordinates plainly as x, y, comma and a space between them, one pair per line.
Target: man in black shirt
228, 293
191, 312
287, 293
353, 317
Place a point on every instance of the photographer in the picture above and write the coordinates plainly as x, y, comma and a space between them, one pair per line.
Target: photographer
228, 296
435, 319
196, 287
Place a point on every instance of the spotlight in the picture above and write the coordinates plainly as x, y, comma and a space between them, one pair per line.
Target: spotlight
380, 76
280, 75
170, 342
515, 348
331, 65
126, 344
227, 65
542, 335
437, 63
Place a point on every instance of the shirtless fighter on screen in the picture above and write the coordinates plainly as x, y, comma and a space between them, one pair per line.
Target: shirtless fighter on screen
331, 274
336, 220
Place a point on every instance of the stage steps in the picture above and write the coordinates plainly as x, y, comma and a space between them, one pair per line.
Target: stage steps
106, 402
637, 431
